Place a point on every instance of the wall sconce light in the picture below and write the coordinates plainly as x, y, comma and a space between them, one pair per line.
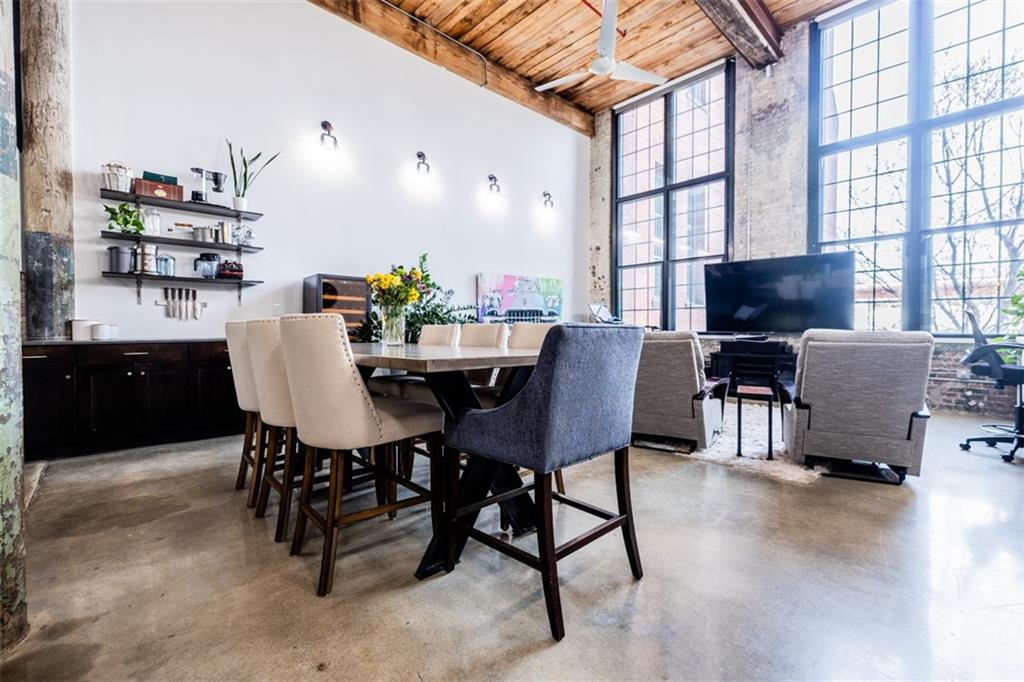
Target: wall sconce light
327, 138
421, 163
548, 203
494, 187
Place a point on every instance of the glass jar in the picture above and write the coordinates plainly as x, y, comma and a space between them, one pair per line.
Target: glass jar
151, 221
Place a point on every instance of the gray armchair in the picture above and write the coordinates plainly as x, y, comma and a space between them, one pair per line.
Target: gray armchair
860, 396
673, 398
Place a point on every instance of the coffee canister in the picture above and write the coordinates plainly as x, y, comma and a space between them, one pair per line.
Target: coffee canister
145, 259
100, 332
81, 330
120, 258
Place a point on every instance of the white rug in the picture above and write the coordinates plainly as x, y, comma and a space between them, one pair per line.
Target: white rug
755, 446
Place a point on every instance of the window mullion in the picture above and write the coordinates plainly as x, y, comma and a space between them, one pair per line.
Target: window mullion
669, 125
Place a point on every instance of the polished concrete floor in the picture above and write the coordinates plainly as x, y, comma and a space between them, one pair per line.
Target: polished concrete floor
145, 565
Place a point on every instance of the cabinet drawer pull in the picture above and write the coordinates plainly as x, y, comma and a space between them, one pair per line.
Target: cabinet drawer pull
229, 368
128, 373
34, 357
138, 352
67, 376
142, 374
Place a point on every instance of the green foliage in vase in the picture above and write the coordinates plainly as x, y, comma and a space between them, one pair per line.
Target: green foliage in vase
125, 218
1015, 320
434, 306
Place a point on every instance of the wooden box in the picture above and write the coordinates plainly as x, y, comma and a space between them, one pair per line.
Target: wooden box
148, 188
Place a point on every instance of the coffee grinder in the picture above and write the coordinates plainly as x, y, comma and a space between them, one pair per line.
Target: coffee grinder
200, 176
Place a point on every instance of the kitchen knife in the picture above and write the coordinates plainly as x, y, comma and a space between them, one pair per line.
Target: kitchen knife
195, 306
172, 304
167, 302
181, 304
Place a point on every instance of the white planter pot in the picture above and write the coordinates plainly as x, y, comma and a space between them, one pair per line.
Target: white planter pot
239, 203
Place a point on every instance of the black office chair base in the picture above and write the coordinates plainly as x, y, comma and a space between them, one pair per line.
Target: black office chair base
1017, 441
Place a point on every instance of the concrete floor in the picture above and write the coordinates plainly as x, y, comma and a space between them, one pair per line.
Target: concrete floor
145, 564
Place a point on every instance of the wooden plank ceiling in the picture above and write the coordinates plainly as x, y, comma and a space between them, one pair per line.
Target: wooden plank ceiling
541, 40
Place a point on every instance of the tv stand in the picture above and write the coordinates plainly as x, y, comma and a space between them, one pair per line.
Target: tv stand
752, 362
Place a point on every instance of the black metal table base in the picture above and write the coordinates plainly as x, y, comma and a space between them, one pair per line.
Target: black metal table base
454, 393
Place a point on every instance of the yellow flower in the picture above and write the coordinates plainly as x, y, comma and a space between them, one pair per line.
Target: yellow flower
413, 296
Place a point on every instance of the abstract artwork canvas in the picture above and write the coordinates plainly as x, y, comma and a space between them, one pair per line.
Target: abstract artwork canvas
518, 298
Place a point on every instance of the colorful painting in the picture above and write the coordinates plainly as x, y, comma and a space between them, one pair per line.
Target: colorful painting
518, 298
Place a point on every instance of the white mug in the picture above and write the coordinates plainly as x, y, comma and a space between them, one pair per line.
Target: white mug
81, 330
100, 332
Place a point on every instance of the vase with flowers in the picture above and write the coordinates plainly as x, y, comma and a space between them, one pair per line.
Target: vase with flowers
392, 293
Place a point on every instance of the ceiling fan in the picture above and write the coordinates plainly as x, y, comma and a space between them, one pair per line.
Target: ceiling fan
605, 64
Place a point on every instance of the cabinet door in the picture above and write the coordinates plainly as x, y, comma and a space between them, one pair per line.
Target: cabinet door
164, 399
108, 404
216, 406
49, 392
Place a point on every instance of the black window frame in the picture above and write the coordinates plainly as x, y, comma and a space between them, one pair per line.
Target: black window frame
726, 175
917, 132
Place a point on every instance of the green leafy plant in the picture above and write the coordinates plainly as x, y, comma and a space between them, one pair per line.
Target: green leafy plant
434, 306
125, 218
1015, 322
244, 172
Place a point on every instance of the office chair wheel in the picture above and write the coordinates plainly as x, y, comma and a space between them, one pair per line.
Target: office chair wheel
965, 446
1008, 458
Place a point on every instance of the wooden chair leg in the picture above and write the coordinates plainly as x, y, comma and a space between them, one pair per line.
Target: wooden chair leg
393, 468
407, 457
287, 479
626, 508
268, 471
335, 484
546, 547
451, 505
559, 482
261, 457
305, 497
247, 440
380, 454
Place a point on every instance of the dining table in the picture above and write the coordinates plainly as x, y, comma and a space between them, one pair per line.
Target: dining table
444, 370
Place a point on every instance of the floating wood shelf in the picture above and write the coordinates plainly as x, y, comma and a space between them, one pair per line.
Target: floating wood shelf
183, 243
163, 280
185, 206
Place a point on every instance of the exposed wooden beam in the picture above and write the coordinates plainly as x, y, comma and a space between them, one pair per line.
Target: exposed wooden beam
392, 24
749, 26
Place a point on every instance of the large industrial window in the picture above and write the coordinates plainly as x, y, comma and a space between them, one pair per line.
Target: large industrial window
916, 158
673, 198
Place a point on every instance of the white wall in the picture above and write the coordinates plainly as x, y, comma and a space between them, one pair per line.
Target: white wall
160, 85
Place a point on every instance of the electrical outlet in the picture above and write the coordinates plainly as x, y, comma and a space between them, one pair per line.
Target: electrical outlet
278, 310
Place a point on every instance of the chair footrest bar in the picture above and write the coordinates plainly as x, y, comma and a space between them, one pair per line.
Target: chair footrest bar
503, 547
493, 499
583, 506
363, 514
585, 539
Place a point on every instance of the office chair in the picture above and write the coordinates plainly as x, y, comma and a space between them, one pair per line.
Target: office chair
985, 361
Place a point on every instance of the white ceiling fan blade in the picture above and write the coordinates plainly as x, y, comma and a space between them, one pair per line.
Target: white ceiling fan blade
571, 78
628, 72
606, 41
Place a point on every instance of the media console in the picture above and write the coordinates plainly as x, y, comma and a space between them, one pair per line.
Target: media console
752, 361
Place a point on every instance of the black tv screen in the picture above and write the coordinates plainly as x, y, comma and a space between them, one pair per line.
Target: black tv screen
791, 294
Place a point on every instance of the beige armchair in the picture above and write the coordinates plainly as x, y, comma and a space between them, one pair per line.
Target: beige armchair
860, 396
673, 399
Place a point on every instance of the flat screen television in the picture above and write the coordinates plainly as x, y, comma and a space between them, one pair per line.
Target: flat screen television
783, 295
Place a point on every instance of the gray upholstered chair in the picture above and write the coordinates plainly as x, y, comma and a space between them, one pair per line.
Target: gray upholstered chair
576, 405
860, 396
245, 392
674, 401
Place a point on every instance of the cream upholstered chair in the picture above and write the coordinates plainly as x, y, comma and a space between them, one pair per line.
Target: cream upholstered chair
271, 382
529, 334
439, 335
334, 411
245, 393
673, 400
860, 396
474, 334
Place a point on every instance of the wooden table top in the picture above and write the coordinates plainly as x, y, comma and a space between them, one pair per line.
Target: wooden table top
414, 357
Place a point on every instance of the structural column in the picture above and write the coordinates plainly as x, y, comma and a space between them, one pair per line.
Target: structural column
46, 168
13, 611
599, 233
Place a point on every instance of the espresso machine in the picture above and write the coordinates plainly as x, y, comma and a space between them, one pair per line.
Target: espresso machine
201, 175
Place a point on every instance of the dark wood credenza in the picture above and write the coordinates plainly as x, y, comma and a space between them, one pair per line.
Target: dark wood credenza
86, 397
